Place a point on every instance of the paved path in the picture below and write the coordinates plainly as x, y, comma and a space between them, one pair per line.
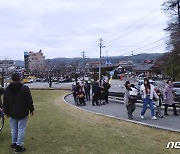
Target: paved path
118, 110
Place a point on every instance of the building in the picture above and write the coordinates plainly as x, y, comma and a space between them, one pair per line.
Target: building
34, 61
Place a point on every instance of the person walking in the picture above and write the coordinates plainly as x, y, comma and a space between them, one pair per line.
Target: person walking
95, 93
87, 88
129, 100
17, 104
147, 92
168, 98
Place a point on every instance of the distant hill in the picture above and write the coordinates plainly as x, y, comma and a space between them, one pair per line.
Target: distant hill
136, 59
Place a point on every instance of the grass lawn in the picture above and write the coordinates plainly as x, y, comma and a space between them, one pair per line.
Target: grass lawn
57, 128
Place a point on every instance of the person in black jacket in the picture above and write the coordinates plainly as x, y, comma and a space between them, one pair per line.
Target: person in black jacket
87, 88
17, 104
1, 93
106, 86
96, 93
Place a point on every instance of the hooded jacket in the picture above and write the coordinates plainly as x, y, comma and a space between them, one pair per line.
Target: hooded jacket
17, 101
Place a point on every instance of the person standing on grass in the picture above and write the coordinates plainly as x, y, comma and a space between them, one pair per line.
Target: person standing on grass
147, 92
17, 104
1, 93
168, 98
129, 100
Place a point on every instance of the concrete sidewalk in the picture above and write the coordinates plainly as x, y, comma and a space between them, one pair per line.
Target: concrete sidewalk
119, 111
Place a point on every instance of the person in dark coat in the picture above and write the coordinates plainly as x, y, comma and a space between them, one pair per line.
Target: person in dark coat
106, 87
1, 93
87, 88
96, 93
17, 104
74, 92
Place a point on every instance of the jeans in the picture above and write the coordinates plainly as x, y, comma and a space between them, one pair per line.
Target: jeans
18, 128
145, 103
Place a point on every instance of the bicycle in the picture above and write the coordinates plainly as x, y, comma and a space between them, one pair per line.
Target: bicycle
1, 120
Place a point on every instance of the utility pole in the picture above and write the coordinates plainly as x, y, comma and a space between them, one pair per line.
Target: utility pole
100, 47
83, 54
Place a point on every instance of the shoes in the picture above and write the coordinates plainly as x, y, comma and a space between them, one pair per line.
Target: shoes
166, 114
142, 117
19, 149
154, 118
160, 116
130, 118
13, 146
176, 114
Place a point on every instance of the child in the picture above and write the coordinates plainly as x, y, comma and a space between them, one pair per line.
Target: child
158, 104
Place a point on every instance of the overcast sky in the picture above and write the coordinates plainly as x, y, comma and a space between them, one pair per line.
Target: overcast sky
66, 28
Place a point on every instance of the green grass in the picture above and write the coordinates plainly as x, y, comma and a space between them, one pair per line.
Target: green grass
57, 128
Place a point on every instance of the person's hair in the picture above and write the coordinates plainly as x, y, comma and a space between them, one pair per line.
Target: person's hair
126, 84
16, 77
168, 81
147, 86
95, 80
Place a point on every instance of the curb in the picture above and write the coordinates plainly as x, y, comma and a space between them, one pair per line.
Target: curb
122, 119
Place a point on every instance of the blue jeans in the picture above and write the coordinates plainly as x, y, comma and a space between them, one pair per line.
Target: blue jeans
145, 103
18, 128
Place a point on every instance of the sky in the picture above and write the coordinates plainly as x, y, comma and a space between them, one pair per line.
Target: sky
66, 28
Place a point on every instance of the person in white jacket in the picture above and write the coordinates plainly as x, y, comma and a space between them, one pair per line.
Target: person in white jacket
147, 92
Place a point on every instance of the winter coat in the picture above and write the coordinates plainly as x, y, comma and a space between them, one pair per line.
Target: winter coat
17, 101
168, 95
152, 92
127, 97
106, 87
96, 89
87, 87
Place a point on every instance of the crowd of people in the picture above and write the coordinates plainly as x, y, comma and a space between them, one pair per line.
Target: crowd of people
82, 93
150, 95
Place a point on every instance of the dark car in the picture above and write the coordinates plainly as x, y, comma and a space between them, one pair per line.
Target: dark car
176, 88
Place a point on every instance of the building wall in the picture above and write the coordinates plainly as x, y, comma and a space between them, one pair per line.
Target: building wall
36, 61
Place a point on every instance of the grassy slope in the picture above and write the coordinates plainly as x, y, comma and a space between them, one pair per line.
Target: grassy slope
59, 128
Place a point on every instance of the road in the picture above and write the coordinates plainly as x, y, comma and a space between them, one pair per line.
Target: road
119, 110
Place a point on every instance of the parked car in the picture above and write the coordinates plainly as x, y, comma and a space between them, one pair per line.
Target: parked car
176, 88
65, 80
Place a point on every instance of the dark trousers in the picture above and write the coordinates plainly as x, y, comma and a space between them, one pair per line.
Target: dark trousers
106, 97
166, 109
95, 99
88, 95
130, 109
75, 97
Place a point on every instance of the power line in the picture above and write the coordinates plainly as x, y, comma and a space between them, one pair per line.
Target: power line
130, 27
